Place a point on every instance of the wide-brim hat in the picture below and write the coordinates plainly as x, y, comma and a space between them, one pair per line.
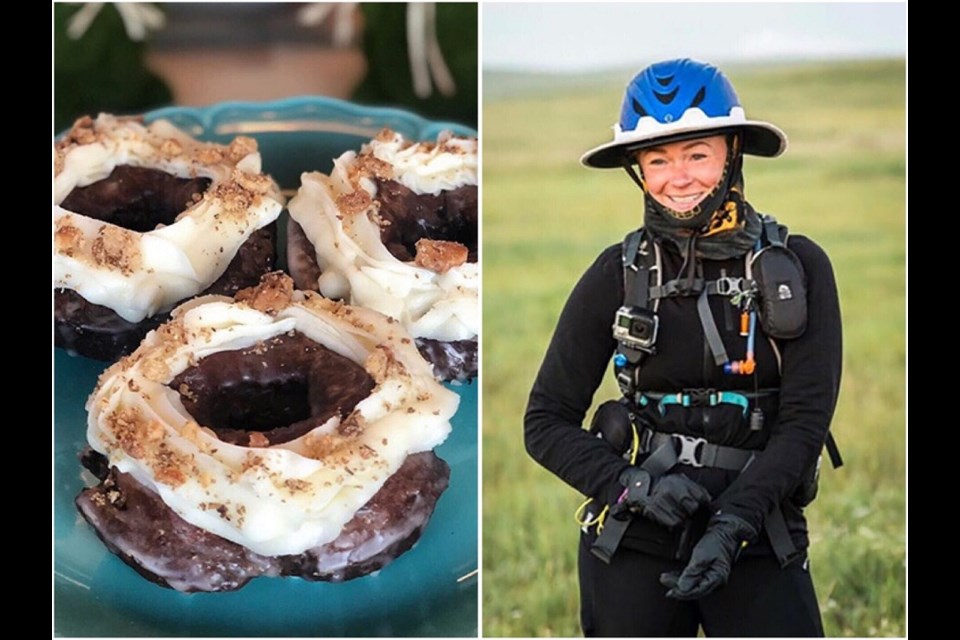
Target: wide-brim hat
759, 138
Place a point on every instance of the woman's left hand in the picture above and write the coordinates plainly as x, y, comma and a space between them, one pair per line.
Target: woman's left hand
711, 560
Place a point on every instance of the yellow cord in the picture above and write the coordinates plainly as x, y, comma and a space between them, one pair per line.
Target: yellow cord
596, 520
601, 519
578, 514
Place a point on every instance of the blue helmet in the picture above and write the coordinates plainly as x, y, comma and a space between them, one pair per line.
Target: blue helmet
681, 99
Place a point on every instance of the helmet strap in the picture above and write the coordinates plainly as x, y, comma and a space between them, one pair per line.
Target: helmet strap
628, 167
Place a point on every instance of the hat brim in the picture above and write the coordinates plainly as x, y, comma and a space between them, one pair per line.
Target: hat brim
759, 139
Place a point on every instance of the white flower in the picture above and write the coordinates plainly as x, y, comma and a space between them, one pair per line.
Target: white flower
427, 66
344, 24
137, 18
426, 58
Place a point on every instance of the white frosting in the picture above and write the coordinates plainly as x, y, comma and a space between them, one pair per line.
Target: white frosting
158, 268
426, 168
355, 264
280, 499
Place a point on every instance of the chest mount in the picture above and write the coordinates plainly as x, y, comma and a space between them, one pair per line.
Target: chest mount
772, 292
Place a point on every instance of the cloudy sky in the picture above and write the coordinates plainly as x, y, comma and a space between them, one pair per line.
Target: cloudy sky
587, 36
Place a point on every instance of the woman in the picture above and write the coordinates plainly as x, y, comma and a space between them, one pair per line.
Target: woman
726, 343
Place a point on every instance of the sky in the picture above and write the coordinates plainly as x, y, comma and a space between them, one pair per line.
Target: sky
588, 36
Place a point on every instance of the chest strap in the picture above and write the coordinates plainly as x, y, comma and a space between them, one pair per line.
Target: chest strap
697, 452
702, 398
722, 286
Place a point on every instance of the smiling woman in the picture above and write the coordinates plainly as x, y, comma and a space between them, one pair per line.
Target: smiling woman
681, 175
697, 476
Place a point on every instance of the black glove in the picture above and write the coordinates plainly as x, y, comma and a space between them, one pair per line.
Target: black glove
637, 484
669, 501
712, 558
674, 499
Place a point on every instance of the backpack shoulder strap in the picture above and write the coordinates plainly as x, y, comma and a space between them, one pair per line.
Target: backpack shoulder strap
637, 258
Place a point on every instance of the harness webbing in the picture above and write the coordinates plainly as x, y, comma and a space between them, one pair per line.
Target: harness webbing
644, 288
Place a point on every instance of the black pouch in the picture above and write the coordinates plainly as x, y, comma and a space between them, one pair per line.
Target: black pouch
613, 423
782, 289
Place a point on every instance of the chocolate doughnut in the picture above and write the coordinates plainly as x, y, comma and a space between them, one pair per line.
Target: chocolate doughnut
394, 228
145, 217
275, 434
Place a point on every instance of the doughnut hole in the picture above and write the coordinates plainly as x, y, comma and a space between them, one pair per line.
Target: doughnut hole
407, 217
280, 389
136, 198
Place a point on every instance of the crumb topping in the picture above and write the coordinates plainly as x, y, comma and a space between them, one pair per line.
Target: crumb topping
187, 392
210, 154
236, 200
127, 425
385, 135
168, 466
440, 255
296, 485
353, 425
258, 440
382, 364
116, 248
368, 165
59, 160
255, 183
275, 292
320, 447
240, 148
354, 202
67, 238
171, 148
83, 131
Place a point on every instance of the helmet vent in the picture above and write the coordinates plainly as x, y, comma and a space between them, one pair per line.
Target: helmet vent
697, 99
666, 98
665, 81
639, 108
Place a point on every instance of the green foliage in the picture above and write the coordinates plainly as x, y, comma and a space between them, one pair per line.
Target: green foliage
101, 71
842, 182
389, 80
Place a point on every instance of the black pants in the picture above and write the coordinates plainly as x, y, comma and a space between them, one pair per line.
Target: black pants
625, 598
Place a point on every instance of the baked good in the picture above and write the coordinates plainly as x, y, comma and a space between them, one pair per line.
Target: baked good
394, 228
145, 217
279, 433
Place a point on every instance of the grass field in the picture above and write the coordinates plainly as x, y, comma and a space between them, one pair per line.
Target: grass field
545, 218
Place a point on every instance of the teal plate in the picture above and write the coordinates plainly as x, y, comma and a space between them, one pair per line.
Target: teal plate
429, 591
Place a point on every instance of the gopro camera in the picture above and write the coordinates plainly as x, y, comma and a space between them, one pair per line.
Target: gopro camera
636, 327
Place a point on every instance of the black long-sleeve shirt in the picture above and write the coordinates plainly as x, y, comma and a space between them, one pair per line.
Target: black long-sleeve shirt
808, 378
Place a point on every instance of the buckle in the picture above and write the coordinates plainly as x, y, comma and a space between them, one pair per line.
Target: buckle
699, 397
727, 286
688, 449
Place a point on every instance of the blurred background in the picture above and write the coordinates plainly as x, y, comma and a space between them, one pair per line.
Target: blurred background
133, 57
833, 77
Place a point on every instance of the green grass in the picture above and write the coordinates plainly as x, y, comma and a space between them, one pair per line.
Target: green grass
842, 182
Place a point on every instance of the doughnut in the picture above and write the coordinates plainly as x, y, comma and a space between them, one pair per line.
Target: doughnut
394, 228
146, 217
277, 433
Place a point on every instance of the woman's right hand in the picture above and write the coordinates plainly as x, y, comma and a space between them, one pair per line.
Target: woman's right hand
669, 501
